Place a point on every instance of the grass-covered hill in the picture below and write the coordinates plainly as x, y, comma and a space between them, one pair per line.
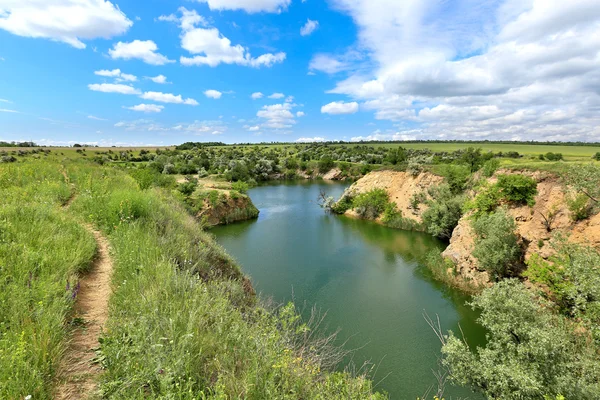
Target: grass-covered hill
183, 321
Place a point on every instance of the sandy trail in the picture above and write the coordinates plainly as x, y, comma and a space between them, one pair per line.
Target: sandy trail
78, 373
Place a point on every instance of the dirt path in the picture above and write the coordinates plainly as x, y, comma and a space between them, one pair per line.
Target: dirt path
78, 374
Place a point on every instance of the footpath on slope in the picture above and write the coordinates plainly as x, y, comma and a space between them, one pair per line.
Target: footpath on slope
78, 373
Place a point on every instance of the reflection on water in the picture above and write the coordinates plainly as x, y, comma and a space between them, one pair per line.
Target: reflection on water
367, 277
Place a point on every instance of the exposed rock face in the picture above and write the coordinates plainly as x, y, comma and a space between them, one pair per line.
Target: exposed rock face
530, 221
400, 186
228, 209
531, 226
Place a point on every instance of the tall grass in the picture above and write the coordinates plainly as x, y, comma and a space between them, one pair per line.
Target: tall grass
184, 321
41, 251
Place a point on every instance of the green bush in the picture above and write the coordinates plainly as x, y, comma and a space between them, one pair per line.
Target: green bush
553, 156
496, 246
530, 353
517, 189
325, 164
486, 200
596, 156
579, 206
371, 204
443, 212
240, 186
489, 167
457, 177
342, 205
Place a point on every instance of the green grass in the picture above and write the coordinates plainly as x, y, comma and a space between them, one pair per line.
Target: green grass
42, 248
184, 322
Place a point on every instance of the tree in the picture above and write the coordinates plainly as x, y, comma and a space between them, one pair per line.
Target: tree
473, 158
584, 178
443, 213
496, 245
530, 352
596, 156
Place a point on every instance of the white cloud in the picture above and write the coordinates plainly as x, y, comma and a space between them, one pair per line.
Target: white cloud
339, 107
158, 79
277, 116
117, 74
254, 128
327, 63
309, 27
113, 88
144, 50
68, 21
480, 70
300, 114
310, 140
147, 108
250, 6
9, 111
211, 48
213, 94
96, 118
5, 101
277, 96
385, 136
257, 95
168, 98
196, 127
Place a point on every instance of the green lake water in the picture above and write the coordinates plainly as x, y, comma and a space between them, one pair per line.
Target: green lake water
365, 276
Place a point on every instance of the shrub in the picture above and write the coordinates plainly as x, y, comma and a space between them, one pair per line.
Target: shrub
489, 167
188, 187
486, 200
530, 352
240, 186
325, 164
496, 246
579, 206
342, 205
596, 156
371, 204
169, 169
456, 176
443, 213
517, 189
553, 156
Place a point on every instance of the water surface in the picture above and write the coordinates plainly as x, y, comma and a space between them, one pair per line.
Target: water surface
366, 276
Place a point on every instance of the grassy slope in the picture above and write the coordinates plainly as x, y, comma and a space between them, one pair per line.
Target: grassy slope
183, 320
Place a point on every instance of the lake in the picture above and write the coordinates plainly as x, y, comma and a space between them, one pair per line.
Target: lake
365, 276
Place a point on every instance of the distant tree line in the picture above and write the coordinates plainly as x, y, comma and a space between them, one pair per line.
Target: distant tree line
17, 144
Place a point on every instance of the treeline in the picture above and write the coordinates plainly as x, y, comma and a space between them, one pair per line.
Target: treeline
469, 142
17, 144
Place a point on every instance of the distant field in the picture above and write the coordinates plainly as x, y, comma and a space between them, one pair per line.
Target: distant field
572, 153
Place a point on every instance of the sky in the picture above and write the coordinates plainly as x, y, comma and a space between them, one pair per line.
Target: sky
161, 72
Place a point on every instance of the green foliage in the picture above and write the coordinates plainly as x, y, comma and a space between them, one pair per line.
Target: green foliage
487, 200
342, 205
584, 178
496, 247
530, 352
325, 164
490, 167
596, 156
517, 189
573, 277
457, 177
189, 186
240, 186
371, 204
553, 156
443, 212
580, 207
472, 158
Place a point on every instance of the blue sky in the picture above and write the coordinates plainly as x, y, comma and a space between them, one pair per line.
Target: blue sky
80, 70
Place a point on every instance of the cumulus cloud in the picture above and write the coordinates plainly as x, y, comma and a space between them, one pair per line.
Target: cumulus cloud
309, 27
339, 107
254, 128
256, 95
145, 50
113, 88
147, 108
213, 94
310, 140
378, 136
277, 116
67, 21
196, 128
209, 47
481, 70
168, 98
300, 114
117, 74
250, 6
277, 96
161, 79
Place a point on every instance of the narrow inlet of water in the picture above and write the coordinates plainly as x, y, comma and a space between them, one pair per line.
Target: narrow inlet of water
365, 276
